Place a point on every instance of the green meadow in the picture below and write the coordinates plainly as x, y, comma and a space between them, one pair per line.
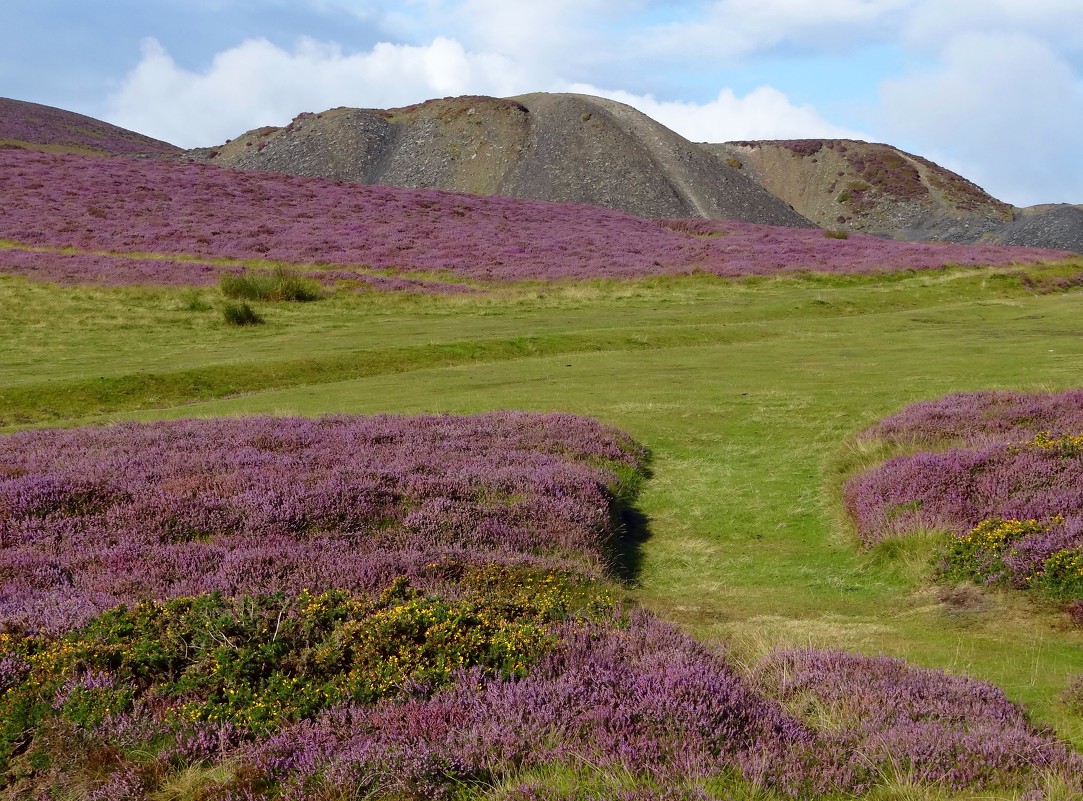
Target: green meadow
747, 394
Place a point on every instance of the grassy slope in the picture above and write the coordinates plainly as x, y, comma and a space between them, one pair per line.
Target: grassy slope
746, 393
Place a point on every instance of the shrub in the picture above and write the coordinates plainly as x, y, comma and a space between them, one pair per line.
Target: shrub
278, 284
240, 314
837, 234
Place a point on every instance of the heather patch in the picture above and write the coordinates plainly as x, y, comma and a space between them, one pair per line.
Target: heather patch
1009, 491
912, 725
112, 269
201, 212
94, 517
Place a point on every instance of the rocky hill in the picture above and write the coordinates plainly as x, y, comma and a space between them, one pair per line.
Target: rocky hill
558, 147
873, 188
879, 189
32, 126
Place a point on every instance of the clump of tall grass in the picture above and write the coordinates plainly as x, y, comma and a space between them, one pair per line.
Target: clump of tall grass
240, 314
192, 301
277, 284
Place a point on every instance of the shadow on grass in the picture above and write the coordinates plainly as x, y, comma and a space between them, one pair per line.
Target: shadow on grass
624, 555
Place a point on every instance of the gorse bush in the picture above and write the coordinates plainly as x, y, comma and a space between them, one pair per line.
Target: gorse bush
259, 662
240, 314
274, 285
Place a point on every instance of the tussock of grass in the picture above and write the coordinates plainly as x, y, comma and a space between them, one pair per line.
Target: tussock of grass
240, 314
192, 301
278, 284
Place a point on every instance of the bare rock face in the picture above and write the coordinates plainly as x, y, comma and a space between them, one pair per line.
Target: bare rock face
872, 188
555, 147
1051, 226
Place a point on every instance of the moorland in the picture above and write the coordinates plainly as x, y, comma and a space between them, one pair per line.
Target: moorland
560, 563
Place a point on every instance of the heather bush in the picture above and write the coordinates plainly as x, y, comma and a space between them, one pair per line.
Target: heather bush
915, 726
240, 314
1008, 492
1073, 696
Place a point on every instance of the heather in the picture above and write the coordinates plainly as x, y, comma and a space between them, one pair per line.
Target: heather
33, 125
201, 212
91, 518
1008, 490
650, 703
915, 725
410, 695
106, 269
1003, 416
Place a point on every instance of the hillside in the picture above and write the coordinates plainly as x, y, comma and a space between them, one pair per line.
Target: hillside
874, 188
64, 206
558, 147
33, 126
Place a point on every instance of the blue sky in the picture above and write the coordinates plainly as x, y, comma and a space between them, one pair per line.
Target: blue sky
990, 88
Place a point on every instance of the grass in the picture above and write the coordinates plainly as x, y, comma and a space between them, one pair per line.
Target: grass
278, 284
240, 314
746, 392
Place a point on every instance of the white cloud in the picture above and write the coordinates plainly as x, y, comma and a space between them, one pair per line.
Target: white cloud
257, 83
937, 23
764, 113
1006, 108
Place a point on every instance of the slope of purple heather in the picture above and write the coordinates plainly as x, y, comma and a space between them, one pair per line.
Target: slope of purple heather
35, 127
150, 206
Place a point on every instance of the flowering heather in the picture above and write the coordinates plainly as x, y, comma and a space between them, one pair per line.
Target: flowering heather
1011, 492
652, 703
119, 270
34, 124
915, 725
647, 699
94, 517
983, 417
199, 211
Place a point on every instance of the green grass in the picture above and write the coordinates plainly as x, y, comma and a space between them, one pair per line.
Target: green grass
278, 284
747, 394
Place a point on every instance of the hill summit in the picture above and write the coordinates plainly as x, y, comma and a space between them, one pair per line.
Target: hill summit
557, 147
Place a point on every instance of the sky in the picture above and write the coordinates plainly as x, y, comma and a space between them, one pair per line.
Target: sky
992, 89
